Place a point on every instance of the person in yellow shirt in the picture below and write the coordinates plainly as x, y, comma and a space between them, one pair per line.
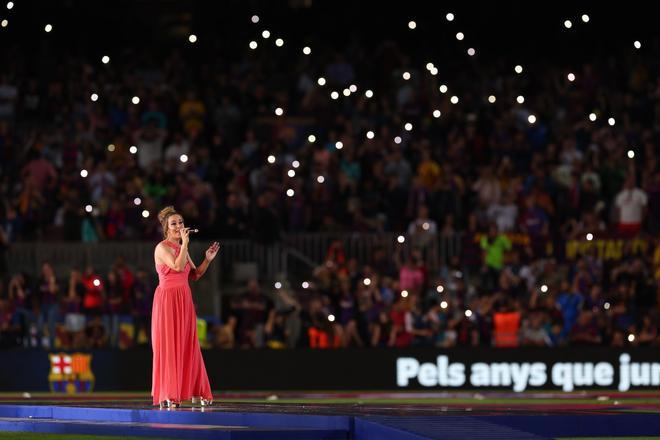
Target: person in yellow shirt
428, 170
192, 112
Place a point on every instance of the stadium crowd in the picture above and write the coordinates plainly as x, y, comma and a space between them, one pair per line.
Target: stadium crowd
518, 181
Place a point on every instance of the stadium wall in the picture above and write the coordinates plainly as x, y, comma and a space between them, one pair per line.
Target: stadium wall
518, 369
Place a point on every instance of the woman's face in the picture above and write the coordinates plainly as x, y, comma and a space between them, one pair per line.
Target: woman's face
174, 226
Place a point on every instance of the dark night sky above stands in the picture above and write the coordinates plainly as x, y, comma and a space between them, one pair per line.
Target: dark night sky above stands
517, 29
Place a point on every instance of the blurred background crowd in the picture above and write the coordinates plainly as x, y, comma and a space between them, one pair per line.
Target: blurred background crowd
548, 178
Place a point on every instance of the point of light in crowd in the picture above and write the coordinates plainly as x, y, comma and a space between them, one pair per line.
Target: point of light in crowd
408, 126
460, 36
544, 288
401, 239
631, 154
442, 88
255, 19
96, 282
305, 284
492, 99
271, 159
404, 293
352, 88
369, 94
370, 134
135, 100
137, 201
133, 149
429, 66
105, 59
253, 44
440, 288
295, 164
585, 18
321, 81
334, 95
468, 313
307, 50
592, 117
444, 304
346, 92
434, 71
520, 99
320, 179
88, 208
4, 23
94, 97
449, 16
279, 42
111, 148
339, 145
531, 119
397, 140
571, 77
637, 45
311, 138
611, 121
279, 111
83, 173
412, 24
183, 158
437, 113
606, 306
406, 75
471, 51
291, 173
631, 338
568, 24
48, 28
426, 226
454, 99
265, 34
278, 285
331, 318
192, 38
145, 213
10, 5
366, 281
590, 236
518, 69
290, 192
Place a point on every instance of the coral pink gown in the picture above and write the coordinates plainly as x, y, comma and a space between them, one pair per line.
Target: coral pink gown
178, 367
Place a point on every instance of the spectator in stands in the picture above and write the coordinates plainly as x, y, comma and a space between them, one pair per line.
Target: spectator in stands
252, 310
49, 298
74, 319
423, 230
494, 246
631, 204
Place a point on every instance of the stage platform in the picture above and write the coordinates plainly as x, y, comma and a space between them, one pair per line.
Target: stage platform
341, 415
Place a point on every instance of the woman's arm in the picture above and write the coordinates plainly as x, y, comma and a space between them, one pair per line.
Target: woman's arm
209, 255
165, 256
197, 272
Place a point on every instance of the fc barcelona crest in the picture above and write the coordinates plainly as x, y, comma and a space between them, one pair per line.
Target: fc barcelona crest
71, 373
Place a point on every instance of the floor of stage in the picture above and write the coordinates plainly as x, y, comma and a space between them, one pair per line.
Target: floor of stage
341, 415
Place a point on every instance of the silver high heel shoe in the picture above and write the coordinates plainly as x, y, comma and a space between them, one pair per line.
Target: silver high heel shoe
169, 404
202, 401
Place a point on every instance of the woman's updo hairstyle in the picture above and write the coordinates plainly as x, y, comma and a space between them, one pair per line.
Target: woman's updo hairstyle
163, 215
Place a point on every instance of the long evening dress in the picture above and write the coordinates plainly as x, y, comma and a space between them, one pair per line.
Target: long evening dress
178, 367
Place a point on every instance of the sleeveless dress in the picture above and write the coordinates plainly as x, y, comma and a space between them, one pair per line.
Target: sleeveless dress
178, 367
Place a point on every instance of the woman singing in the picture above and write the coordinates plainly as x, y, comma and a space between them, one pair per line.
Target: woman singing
178, 368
